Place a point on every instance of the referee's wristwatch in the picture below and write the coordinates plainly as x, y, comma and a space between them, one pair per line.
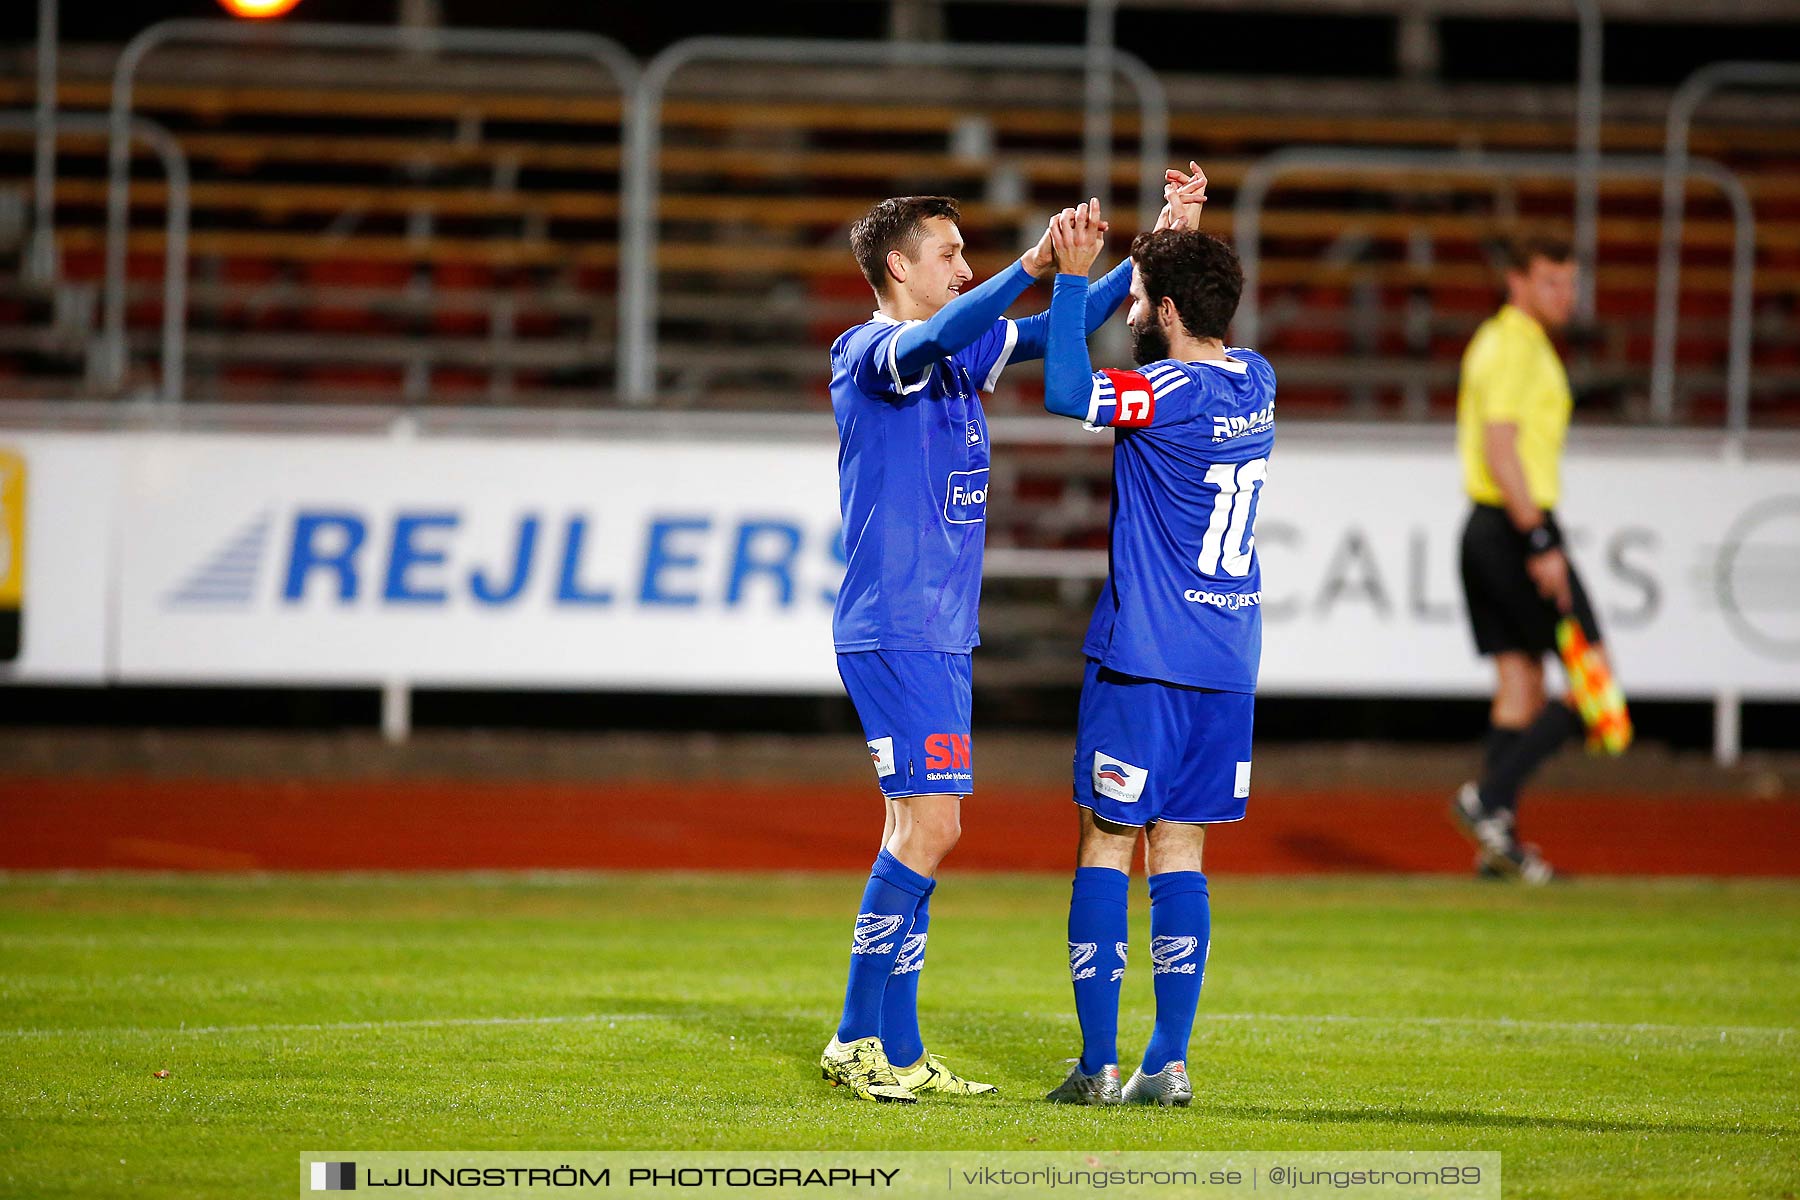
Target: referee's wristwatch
1541, 540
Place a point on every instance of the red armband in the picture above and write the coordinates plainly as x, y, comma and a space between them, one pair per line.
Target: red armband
1135, 398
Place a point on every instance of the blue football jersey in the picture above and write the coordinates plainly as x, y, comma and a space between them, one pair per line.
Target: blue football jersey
1183, 598
913, 485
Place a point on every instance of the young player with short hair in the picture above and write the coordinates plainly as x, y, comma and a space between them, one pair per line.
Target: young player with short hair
1163, 739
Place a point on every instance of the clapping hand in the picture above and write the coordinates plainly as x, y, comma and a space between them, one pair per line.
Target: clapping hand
1184, 195
1041, 258
1077, 235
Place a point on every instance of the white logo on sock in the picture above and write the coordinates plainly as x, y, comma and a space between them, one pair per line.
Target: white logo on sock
1167, 953
870, 929
1119, 971
912, 954
1079, 954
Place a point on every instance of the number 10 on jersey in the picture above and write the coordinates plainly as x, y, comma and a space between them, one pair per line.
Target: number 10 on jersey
1226, 548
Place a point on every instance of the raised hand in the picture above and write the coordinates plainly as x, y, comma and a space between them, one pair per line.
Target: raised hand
1040, 260
1184, 193
1077, 235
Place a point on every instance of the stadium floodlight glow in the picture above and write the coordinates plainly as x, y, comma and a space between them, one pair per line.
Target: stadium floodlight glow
258, 10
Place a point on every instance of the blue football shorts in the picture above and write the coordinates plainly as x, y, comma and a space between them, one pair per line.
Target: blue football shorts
914, 708
1147, 751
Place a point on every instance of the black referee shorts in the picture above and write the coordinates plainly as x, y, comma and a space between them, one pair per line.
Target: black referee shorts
1505, 609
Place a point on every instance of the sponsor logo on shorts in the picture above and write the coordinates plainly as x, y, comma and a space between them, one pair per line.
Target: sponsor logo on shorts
948, 752
1174, 955
1119, 971
1117, 779
1080, 954
1229, 601
965, 497
1242, 790
949, 757
881, 750
912, 954
872, 929
974, 433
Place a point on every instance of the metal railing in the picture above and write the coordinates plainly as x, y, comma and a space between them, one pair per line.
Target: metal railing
1257, 182
1687, 100
644, 91
612, 57
638, 308
175, 240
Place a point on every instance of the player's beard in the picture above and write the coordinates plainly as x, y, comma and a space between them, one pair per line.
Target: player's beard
1149, 343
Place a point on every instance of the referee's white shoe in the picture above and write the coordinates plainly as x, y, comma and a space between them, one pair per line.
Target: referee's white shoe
1498, 852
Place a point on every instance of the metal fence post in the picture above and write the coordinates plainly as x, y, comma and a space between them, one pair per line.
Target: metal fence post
40, 251
175, 237
1587, 151
1096, 127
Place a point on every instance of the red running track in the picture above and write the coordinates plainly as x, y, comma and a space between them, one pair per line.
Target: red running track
457, 825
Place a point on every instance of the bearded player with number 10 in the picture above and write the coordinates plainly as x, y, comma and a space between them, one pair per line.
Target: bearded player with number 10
1162, 743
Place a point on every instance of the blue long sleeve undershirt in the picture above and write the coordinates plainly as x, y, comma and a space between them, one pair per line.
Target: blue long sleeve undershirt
1068, 371
966, 318
1103, 299
960, 322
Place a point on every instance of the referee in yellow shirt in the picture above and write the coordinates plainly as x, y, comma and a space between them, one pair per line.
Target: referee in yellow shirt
1512, 410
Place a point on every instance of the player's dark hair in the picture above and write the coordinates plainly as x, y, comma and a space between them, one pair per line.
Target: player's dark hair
1514, 251
897, 223
1197, 271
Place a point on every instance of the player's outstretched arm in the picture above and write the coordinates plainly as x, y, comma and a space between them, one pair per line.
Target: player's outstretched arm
961, 321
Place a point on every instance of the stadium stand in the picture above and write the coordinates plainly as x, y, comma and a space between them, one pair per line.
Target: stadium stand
407, 243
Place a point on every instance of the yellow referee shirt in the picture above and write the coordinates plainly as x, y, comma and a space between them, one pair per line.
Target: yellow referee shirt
1511, 375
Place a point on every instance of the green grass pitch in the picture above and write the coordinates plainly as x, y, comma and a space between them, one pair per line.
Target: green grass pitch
1614, 1039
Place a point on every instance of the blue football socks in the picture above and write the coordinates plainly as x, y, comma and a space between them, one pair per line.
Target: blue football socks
1097, 937
900, 1003
1180, 934
888, 905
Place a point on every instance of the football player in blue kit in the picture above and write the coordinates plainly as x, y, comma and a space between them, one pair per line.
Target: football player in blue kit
913, 482
1162, 743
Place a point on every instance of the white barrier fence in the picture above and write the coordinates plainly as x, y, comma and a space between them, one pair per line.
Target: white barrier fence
637, 563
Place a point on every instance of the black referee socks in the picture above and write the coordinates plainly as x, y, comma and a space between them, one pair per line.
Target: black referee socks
1513, 754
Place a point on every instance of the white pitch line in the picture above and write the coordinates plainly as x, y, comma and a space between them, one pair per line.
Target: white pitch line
332, 1026
1778, 1032
1722, 1032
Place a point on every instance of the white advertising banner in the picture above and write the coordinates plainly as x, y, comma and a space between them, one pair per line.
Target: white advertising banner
1692, 564
676, 565
695, 565
58, 496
